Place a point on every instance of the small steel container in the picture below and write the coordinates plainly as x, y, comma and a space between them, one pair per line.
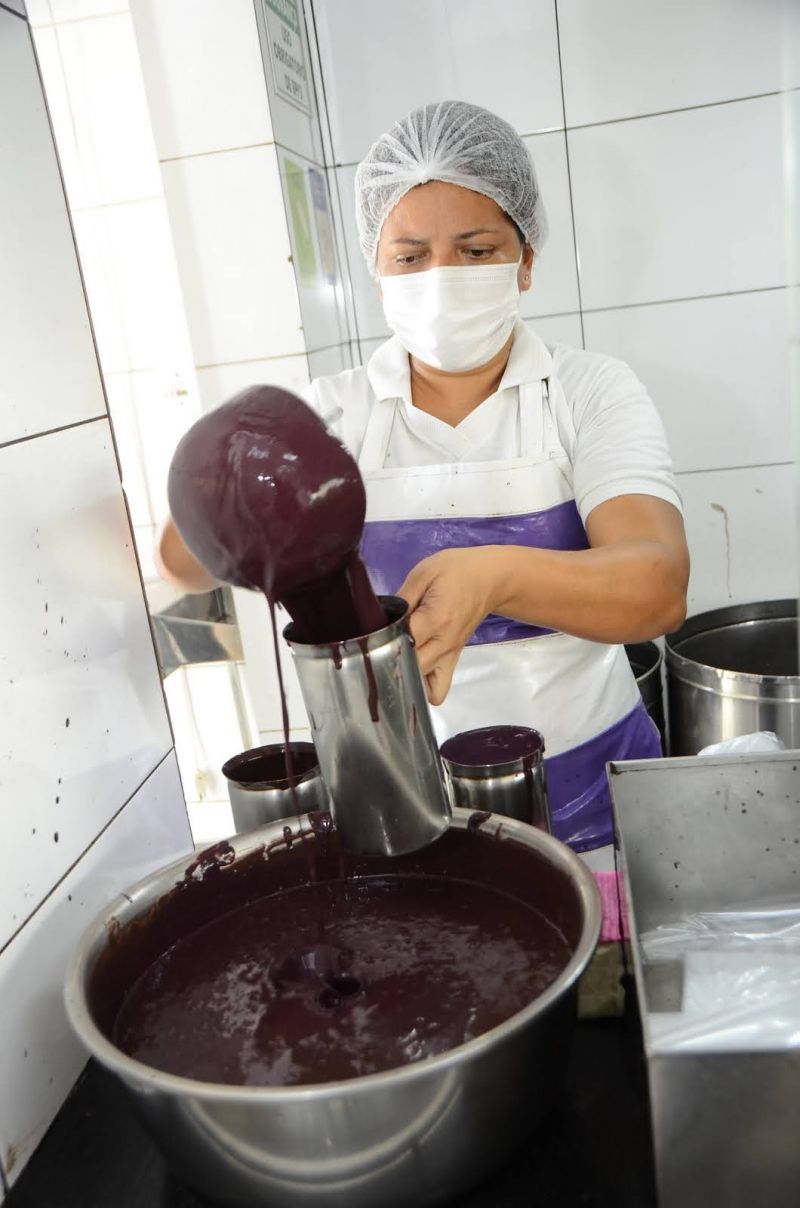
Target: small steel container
260, 790
372, 732
516, 788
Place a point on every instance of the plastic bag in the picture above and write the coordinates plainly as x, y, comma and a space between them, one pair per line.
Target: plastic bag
746, 744
740, 980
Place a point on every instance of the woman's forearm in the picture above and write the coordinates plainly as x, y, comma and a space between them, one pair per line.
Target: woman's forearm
626, 592
178, 565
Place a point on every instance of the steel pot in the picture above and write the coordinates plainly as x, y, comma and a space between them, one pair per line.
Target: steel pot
647, 664
419, 1134
734, 671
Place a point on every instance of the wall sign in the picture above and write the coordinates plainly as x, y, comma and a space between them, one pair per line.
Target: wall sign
286, 54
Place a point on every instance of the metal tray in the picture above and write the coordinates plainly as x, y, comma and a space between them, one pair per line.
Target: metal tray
710, 835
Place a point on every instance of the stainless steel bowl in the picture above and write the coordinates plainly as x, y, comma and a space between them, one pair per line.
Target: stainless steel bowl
415, 1135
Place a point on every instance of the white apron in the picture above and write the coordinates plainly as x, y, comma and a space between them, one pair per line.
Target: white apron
581, 695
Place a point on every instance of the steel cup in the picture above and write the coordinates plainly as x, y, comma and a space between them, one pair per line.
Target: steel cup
516, 787
259, 788
373, 735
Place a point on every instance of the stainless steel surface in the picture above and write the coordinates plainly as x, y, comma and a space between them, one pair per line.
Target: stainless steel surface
416, 1135
372, 730
197, 629
734, 671
709, 835
256, 804
647, 664
515, 789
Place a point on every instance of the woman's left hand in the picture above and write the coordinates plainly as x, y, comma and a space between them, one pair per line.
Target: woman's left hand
448, 594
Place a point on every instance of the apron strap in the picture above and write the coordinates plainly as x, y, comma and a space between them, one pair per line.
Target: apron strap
534, 405
377, 433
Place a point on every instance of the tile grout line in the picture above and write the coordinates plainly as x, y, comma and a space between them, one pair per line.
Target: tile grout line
600, 310
639, 117
730, 293
118, 12
80, 423
569, 177
172, 159
24, 18
86, 850
630, 117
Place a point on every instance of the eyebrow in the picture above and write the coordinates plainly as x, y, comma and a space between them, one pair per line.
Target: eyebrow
460, 235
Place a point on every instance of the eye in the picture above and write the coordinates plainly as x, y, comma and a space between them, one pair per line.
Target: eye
479, 253
409, 259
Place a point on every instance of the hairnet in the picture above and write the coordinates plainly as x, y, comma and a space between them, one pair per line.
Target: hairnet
455, 142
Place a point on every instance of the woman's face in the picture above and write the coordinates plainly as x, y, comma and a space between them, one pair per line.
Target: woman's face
439, 224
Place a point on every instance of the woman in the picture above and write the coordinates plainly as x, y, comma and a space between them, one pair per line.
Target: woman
519, 497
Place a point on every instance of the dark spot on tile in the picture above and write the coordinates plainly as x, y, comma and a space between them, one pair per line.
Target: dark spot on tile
55, 837
58, 798
67, 723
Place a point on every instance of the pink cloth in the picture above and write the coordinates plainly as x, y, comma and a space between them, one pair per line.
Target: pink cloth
612, 894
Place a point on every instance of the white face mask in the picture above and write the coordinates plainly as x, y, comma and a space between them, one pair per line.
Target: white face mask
454, 318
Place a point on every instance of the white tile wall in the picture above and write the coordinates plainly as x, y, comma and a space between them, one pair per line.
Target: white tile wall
145, 536
331, 360
194, 53
382, 60
208, 727
47, 12
84, 717
42, 385
680, 205
743, 535
554, 288
229, 226
559, 329
623, 58
254, 625
40, 1057
128, 263
150, 411
220, 382
716, 367
101, 125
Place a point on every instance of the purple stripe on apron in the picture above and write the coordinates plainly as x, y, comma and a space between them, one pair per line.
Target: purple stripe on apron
392, 548
577, 784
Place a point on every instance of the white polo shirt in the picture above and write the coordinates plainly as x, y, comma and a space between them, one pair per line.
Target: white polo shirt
616, 441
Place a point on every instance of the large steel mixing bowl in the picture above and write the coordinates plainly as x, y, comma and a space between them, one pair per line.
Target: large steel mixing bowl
415, 1135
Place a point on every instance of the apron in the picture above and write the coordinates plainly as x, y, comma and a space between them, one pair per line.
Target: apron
582, 696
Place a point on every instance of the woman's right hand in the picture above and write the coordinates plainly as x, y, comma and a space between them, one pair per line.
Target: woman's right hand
177, 565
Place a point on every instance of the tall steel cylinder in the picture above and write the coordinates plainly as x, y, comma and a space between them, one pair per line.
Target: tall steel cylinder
372, 731
734, 671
